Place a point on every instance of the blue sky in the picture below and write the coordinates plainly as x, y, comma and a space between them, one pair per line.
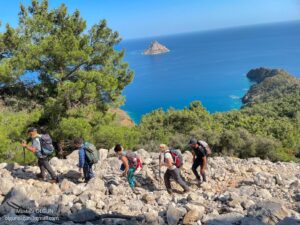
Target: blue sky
146, 18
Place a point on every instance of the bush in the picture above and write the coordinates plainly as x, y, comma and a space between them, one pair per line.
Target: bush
108, 135
70, 128
13, 127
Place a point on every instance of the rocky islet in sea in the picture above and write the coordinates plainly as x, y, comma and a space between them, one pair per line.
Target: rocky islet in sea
156, 48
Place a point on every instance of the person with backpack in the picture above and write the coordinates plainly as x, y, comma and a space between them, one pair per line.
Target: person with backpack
42, 147
131, 165
88, 156
200, 152
173, 160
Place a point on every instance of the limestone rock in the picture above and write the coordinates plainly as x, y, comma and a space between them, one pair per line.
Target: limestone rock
269, 212
173, 214
5, 185
103, 153
196, 213
83, 215
289, 221
156, 48
17, 196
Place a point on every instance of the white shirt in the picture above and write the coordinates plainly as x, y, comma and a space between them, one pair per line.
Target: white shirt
168, 155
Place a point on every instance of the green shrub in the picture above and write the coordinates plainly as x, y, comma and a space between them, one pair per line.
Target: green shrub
108, 135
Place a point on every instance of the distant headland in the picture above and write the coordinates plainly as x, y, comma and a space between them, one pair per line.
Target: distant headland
156, 48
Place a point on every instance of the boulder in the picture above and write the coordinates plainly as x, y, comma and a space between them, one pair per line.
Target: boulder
251, 221
194, 214
269, 212
295, 185
113, 163
103, 153
174, 214
264, 180
67, 186
3, 166
289, 221
263, 193
149, 198
73, 157
18, 197
56, 163
5, 185
151, 216
225, 219
143, 154
82, 215
53, 190
96, 184
187, 157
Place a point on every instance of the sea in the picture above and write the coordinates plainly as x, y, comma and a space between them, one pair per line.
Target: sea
208, 66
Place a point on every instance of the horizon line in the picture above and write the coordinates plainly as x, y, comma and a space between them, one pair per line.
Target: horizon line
210, 30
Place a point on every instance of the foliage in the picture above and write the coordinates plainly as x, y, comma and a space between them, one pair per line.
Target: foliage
80, 76
75, 66
79, 73
13, 125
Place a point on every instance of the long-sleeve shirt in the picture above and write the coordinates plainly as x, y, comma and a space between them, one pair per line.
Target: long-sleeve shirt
82, 157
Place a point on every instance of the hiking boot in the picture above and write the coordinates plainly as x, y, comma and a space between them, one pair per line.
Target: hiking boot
138, 184
186, 191
199, 182
135, 191
40, 177
170, 192
54, 181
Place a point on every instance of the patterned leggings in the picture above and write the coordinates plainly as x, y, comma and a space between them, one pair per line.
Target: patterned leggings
131, 177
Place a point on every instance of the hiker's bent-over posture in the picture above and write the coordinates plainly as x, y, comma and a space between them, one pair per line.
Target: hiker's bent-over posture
171, 159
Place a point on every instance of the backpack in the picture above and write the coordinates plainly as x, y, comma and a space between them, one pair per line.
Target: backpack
207, 150
91, 152
133, 159
177, 157
46, 145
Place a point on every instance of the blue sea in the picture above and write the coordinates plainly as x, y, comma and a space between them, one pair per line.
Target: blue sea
209, 66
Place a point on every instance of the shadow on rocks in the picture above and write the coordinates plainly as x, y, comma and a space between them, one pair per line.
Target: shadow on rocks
16, 208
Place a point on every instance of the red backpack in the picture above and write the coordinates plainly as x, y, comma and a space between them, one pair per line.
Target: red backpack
177, 157
133, 159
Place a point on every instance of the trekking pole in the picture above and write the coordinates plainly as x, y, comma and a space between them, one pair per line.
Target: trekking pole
159, 172
24, 156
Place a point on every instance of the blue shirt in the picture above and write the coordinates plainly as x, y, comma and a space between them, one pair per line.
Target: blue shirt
82, 157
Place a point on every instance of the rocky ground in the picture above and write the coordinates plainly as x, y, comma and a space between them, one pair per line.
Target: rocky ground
238, 192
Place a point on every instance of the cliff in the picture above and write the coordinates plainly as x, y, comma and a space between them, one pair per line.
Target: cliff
122, 118
238, 191
156, 48
270, 84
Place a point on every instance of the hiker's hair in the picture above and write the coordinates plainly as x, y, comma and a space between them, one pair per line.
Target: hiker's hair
78, 141
118, 148
163, 146
31, 129
44, 130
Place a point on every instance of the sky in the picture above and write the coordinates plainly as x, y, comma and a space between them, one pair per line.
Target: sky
148, 18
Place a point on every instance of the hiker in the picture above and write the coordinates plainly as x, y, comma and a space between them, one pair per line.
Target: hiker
131, 165
88, 155
42, 147
173, 161
200, 152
